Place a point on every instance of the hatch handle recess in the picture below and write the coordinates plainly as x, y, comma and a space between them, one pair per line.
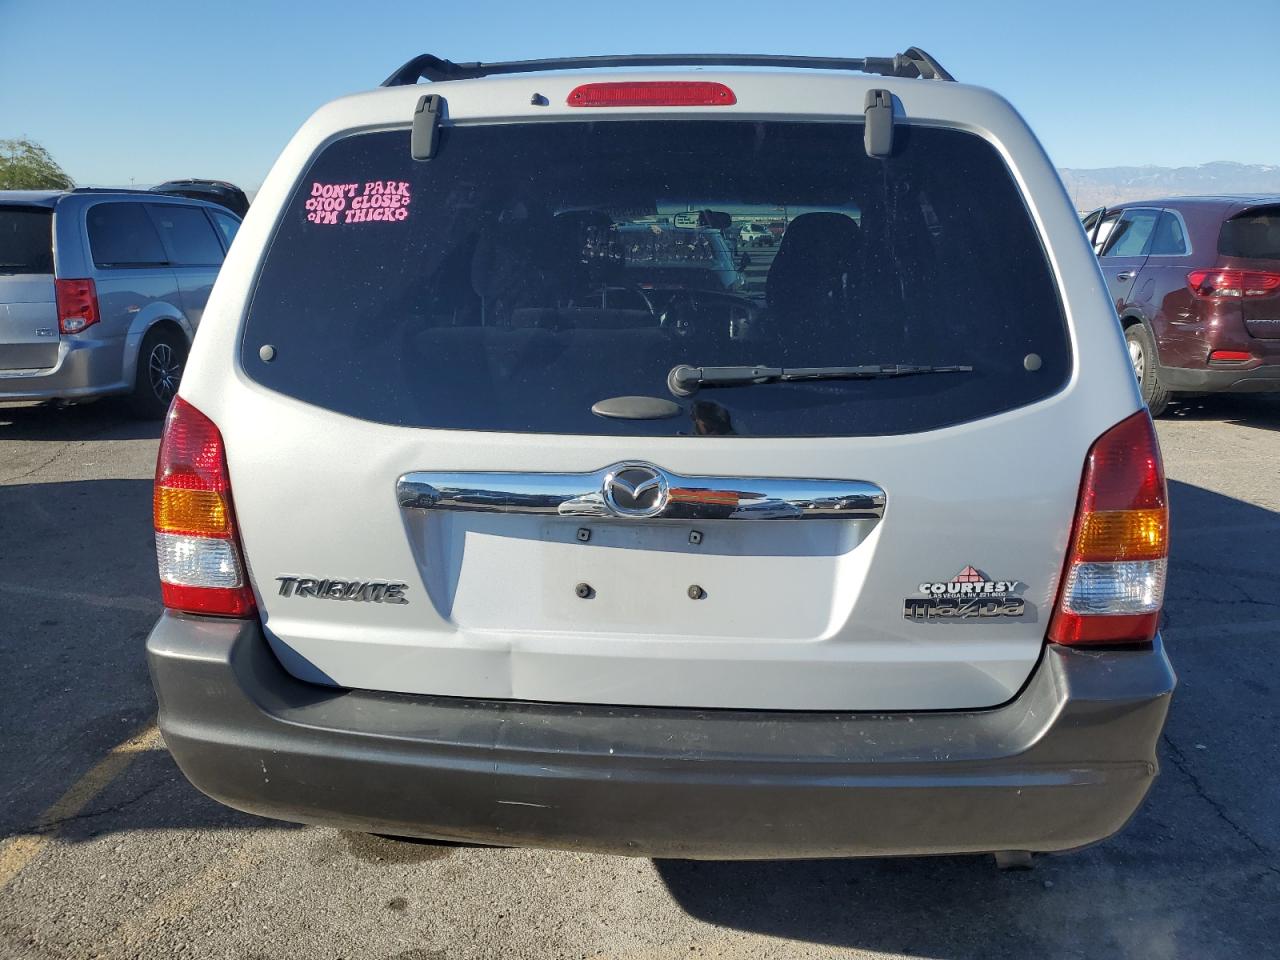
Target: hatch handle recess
426, 126
878, 134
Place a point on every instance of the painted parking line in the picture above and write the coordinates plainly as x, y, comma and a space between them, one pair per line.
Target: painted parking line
17, 852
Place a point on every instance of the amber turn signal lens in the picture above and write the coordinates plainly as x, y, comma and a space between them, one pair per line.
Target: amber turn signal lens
197, 512
1118, 535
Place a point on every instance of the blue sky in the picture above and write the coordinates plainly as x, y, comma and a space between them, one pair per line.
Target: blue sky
144, 90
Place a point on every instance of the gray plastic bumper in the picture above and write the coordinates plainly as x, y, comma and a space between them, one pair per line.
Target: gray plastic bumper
1064, 764
1263, 379
85, 368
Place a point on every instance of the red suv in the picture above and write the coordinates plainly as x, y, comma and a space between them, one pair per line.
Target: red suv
1196, 283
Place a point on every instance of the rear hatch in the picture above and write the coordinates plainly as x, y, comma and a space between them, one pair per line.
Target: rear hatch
1250, 241
441, 502
28, 314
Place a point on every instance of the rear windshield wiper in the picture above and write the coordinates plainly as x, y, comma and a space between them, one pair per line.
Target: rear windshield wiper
684, 380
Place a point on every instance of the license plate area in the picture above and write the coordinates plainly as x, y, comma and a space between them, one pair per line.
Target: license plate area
527, 573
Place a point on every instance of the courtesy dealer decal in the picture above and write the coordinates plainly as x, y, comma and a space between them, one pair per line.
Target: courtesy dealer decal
374, 201
970, 594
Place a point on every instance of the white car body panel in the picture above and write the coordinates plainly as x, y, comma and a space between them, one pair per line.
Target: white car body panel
314, 491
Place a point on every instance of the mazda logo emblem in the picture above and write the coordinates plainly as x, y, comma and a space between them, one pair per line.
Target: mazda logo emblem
635, 490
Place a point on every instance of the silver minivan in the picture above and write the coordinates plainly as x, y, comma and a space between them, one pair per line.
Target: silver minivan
101, 292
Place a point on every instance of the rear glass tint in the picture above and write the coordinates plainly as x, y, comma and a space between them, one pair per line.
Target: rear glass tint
26, 240
228, 225
1254, 234
527, 272
122, 235
1169, 240
188, 234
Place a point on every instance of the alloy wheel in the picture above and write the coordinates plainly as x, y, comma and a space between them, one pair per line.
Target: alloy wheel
1138, 359
165, 370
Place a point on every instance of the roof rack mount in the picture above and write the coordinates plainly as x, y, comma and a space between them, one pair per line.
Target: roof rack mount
912, 63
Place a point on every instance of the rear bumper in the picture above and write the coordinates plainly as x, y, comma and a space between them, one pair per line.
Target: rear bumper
1063, 765
85, 369
1260, 379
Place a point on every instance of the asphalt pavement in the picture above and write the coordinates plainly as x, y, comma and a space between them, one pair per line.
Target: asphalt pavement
106, 851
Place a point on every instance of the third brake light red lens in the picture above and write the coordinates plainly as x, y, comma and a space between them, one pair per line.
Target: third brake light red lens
651, 93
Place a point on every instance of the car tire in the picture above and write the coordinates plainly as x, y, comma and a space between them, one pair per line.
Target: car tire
1142, 355
161, 360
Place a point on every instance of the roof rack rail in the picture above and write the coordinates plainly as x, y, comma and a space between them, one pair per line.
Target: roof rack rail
200, 181
912, 63
110, 190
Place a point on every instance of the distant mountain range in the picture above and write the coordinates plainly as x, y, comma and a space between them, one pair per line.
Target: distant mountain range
1108, 185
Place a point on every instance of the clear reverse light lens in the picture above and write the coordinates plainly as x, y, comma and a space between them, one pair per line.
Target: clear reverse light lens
1101, 589
197, 561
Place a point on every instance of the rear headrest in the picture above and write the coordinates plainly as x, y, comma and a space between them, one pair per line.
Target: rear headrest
825, 229
585, 242
530, 258
816, 257
512, 253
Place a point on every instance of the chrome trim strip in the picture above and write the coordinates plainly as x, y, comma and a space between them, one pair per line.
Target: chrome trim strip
676, 497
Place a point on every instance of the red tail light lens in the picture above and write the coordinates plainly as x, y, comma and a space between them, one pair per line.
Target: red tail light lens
662, 93
197, 546
77, 304
1229, 356
1232, 283
1113, 583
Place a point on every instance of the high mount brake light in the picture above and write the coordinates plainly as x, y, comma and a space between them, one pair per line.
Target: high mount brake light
197, 547
1208, 284
1113, 583
652, 93
77, 304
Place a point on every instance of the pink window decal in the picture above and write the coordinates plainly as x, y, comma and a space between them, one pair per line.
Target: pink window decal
373, 201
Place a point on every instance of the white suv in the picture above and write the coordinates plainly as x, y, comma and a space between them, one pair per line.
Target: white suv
478, 521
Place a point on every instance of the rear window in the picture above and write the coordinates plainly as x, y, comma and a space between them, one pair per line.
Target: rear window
122, 235
1254, 234
188, 234
26, 240
1170, 239
527, 272
229, 226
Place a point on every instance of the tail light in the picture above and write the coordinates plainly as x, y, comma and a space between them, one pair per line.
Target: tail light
1113, 584
77, 304
649, 93
197, 546
1208, 284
